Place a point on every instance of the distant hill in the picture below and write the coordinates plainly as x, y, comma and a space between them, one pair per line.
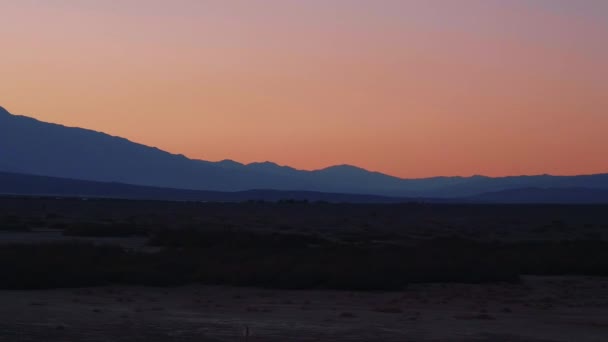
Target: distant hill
32, 185
548, 196
29, 146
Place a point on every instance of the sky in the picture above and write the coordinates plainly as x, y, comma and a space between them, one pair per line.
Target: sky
416, 88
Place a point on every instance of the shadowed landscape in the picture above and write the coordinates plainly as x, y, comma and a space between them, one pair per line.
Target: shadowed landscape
105, 239
304, 171
302, 271
76, 161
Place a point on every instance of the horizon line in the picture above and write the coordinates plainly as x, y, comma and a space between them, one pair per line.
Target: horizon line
2, 108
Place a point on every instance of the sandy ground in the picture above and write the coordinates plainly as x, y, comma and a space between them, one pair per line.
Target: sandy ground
539, 309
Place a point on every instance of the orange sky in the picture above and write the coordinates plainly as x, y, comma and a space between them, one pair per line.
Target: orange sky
410, 88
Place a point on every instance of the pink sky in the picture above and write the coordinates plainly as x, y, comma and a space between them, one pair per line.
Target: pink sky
410, 88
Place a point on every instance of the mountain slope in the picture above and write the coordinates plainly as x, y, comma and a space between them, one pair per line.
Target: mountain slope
34, 147
32, 185
31, 146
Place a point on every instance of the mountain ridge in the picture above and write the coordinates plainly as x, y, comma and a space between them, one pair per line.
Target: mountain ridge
31, 146
17, 184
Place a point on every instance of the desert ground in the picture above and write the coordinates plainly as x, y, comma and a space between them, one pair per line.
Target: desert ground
537, 309
139, 291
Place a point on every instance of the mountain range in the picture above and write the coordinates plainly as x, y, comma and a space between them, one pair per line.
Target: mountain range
17, 184
32, 147
31, 185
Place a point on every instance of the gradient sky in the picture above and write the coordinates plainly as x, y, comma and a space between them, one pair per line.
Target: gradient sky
410, 88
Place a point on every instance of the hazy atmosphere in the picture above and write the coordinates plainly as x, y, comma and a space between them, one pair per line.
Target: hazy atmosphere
408, 88
304, 170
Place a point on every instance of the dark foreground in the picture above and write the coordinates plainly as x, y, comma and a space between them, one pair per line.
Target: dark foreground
538, 309
111, 270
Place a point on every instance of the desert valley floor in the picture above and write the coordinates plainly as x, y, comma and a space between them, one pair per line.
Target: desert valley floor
79, 270
539, 309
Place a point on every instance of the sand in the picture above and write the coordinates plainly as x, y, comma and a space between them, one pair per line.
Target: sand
538, 309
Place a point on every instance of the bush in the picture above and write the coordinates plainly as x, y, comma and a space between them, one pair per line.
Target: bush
293, 261
90, 229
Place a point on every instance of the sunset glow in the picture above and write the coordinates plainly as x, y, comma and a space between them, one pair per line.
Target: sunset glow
409, 88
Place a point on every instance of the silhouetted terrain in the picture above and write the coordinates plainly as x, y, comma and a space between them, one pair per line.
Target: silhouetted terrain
547, 195
74, 242
84, 269
31, 185
20, 184
32, 147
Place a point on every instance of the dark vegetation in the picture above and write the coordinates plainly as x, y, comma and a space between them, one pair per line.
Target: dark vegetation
105, 229
295, 244
13, 223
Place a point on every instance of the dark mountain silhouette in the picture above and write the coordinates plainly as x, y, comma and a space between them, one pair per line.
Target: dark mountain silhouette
31, 185
545, 195
30, 146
